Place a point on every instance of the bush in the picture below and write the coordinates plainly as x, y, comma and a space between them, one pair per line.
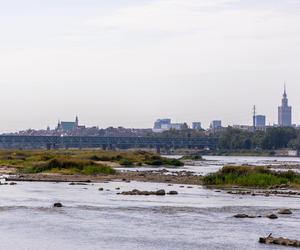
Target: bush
126, 162
192, 157
77, 166
250, 177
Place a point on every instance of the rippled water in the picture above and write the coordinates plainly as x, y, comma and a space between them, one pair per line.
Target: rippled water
197, 218
214, 163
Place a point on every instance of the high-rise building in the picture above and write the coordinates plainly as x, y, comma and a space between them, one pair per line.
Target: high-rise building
216, 124
260, 122
196, 126
162, 123
285, 112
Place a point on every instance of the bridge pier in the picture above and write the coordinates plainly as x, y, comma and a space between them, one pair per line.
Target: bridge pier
158, 149
168, 150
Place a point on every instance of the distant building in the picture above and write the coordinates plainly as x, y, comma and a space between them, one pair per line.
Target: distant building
216, 124
285, 112
196, 126
68, 126
162, 124
260, 121
178, 126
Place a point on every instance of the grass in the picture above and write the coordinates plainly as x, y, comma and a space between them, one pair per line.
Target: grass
67, 166
192, 158
251, 177
79, 161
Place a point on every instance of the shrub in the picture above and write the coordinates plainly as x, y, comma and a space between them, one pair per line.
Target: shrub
72, 165
126, 162
250, 177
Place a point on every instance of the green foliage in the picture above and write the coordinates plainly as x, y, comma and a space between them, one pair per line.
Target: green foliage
251, 177
96, 169
192, 157
126, 162
78, 161
276, 138
62, 164
272, 138
157, 160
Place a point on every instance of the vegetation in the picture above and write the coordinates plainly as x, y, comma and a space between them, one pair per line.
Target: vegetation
251, 177
232, 139
67, 166
192, 158
271, 139
79, 161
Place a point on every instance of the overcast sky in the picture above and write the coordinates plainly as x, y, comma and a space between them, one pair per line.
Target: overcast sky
129, 62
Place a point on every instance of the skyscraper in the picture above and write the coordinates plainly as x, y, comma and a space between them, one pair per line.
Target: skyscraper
285, 112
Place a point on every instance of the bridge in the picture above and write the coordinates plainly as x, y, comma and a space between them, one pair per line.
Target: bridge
57, 142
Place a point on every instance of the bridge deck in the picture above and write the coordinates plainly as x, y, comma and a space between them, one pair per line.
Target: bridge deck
12, 141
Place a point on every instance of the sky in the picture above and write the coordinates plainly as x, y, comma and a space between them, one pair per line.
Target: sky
129, 62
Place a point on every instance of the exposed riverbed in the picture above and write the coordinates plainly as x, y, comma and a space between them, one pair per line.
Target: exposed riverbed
196, 218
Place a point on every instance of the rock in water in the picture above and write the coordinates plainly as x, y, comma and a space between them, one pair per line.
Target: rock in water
58, 204
273, 216
241, 216
161, 192
279, 241
285, 211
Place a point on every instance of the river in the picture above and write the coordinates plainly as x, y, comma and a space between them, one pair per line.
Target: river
197, 218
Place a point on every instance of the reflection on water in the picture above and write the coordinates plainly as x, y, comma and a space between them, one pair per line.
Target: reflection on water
195, 219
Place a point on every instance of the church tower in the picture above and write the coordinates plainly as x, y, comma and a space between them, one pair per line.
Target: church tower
285, 111
76, 122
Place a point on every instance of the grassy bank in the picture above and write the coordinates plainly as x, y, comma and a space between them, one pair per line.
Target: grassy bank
79, 161
251, 177
68, 166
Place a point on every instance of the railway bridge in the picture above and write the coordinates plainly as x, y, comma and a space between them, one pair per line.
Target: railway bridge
57, 142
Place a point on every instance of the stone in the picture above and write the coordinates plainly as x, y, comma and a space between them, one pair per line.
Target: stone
173, 193
273, 216
161, 192
101, 189
145, 193
241, 216
285, 211
58, 205
279, 241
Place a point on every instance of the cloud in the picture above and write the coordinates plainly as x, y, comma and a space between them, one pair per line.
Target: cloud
211, 18
161, 16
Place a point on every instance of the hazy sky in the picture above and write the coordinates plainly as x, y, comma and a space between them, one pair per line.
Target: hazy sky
128, 62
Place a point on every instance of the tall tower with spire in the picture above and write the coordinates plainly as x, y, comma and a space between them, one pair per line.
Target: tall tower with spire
285, 111
76, 122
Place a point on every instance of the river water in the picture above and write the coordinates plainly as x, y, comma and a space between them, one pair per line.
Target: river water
197, 218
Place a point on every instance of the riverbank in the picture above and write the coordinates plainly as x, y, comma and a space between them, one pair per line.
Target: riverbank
85, 162
163, 176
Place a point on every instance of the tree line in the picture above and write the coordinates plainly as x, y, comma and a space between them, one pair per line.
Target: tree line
272, 138
236, 139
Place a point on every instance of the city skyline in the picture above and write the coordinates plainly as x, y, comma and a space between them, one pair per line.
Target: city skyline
259, 121
130, 62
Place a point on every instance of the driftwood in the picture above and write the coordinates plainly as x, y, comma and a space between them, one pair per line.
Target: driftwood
279, 241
